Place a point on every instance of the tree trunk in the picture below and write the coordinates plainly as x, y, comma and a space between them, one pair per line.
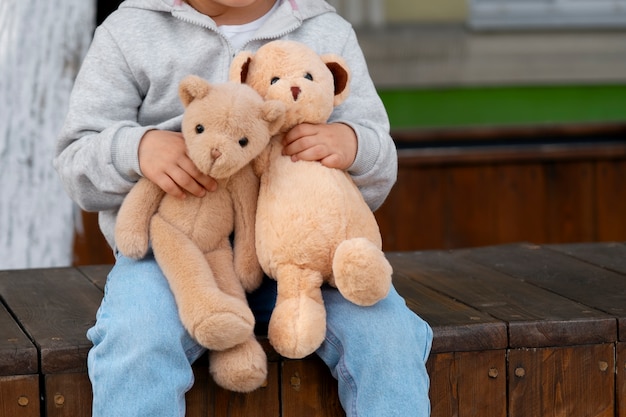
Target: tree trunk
41, 46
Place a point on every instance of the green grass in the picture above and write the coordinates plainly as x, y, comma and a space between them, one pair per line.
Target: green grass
504, 106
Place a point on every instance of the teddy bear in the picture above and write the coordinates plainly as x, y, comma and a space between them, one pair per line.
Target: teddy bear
224, 127
312, 225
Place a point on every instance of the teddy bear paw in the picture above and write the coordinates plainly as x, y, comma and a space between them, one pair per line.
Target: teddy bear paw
362, 273
242, 368
223, 328
297, 327
134, 246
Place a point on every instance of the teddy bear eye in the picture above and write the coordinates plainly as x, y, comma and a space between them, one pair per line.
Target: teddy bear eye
274, 80
199, 129
243, 142
308, 76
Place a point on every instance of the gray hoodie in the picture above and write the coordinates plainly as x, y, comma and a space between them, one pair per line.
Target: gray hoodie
128, 84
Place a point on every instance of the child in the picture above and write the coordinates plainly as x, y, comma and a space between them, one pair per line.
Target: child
124, 123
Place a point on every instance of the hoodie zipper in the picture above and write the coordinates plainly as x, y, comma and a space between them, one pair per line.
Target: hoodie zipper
181, 15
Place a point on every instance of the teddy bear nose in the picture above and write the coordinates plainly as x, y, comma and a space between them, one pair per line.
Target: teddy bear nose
215, 153
295, 92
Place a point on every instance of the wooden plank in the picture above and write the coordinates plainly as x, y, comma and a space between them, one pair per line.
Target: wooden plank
573, 382
68, 395
518, 187
418, 196
207, 399
456, 326
535, 317
264, 402
577, 280
620, 391
610, 207
469, 206
570, 200
608, 255
96, 273
308, 390
199, 398
19, 396
18, 355
468, 384
90, 246
55, 307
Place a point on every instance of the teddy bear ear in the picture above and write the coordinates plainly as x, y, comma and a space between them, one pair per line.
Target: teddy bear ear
192, 87
338, 67
274, 113
239, 67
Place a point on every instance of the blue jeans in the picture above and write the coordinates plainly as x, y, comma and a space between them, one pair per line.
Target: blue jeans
140, 364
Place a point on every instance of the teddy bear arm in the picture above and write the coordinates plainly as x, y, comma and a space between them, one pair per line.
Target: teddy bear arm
244, 192
133, 219
261, 163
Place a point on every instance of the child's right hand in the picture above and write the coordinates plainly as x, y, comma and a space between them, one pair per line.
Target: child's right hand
163, 160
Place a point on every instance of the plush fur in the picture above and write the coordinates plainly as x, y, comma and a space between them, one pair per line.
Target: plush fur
225, 126
312, 224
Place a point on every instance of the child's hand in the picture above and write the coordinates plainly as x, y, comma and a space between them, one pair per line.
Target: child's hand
163, 160
334, 145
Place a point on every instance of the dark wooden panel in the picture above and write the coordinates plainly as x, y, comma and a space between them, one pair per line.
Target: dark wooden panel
611, 200
468, 384
68, 395
412, 216
570, 199
573, 382
535, 317
18, 356
19, 396
200, 397
578, 280
309, 390
90, 247
620, 392
456, 326
263, 402
468, 204
56, 307
519, 213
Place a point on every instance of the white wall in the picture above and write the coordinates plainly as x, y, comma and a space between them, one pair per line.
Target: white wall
41, 45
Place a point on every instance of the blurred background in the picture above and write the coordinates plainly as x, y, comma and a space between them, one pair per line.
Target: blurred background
509, 117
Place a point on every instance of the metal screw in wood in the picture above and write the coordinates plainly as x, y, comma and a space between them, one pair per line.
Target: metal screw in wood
59, 400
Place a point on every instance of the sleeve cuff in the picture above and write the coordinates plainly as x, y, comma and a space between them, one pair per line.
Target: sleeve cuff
124, 152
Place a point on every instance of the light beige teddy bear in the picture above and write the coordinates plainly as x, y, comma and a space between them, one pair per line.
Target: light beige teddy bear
225, 126
312, 224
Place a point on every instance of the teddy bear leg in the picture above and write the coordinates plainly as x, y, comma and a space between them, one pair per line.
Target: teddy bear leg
215, 319
242, 368
361, 272
297, 326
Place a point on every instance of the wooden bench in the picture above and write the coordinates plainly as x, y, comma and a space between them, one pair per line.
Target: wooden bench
520, 330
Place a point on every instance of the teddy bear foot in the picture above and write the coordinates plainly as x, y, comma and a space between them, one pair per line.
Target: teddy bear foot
228, 323
242, 368
362, 273
297, 327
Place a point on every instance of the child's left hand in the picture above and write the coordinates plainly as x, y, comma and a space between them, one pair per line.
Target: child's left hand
334, 145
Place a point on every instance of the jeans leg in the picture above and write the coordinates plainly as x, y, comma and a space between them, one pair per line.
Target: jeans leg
140, 364
378, 355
